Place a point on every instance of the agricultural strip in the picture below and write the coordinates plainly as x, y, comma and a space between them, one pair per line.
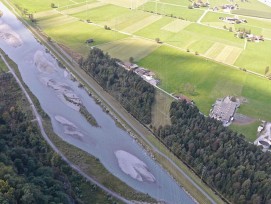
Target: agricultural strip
141, 24
176, 25
102, 13
43, 14
254, 13
255, 57
122, 21
77, 33
82, 8
211, 81
130, 47
214, 51
173, 10
40, 5
229, 55
56, 21
125, 3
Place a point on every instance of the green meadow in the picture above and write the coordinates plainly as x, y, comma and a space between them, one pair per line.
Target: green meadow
173, 10
256, 57
34, 6
210, 81
76, 41
102, 14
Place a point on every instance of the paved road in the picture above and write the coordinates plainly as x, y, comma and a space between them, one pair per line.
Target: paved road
138, 128
45, 136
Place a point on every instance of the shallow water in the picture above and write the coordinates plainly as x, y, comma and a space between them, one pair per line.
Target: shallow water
101, 142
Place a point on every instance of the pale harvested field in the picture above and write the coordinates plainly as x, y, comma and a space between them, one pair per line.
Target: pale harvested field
229, 55
45, 14
57, 21
83, 8
129, 47
126, 3
214, 51
141, 24
176, 25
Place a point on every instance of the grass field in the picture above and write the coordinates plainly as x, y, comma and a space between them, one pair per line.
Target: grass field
108, 12
141, 24
254, 13
34, 6
250, 131
129, 47
82, 7
211, 81
178, 11
123, 21
77, 33
256, 57
177, 2
55, 21
176, 25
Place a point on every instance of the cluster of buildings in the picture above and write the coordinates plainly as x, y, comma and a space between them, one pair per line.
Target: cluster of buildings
199, 4
233, 20
249, 36
224, 110
229, 7
147, 75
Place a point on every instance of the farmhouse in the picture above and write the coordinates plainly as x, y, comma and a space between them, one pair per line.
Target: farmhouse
128, 66
229, 7
224, 110
233, 20
249, 36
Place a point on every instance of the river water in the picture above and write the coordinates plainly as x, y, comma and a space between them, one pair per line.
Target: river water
37, 68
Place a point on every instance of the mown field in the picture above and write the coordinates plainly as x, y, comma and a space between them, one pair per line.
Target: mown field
34, 6
177, 11
123, 49
209, 81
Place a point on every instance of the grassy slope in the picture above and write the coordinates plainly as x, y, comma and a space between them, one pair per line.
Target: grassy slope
211, 80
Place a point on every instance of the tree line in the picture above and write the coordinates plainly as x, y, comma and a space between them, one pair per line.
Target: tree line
30, 172
238, 170
134, 94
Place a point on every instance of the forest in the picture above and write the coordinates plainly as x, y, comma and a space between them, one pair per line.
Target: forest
30, 171
238, 170
134, 94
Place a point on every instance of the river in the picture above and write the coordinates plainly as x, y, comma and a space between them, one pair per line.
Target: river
115, 148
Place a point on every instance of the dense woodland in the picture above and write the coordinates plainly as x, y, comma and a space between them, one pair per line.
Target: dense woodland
135, 94
240, 171
30, 172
